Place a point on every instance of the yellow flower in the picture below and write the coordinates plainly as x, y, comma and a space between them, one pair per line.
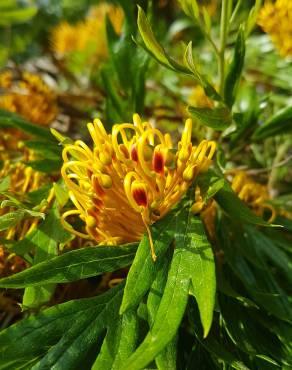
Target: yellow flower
23, 179
276, 20
129, 179
254, 194
29, 97
88, 35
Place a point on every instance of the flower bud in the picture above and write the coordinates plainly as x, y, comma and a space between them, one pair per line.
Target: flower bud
105, 158
105, 181
189, 173
197, 207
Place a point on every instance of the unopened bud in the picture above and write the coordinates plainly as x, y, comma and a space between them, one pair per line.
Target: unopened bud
105, 158
183, 155
188, 173
105, 181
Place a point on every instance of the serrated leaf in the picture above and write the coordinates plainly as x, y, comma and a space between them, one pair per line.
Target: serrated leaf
218, 118
61, 194
143, 270
74, 265
12, 16
190, 7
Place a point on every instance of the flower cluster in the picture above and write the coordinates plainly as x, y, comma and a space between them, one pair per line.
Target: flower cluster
130, 179
29, 97
254, 194
81, 37
23, 179
276, 20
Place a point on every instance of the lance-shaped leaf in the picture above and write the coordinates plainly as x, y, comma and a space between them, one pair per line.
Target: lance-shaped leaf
8, 119
280, 123
45, 241
234, 207
72, 266
192, 262
166, 359
143, 270
63, 335
218, 118
235, 69
153, 46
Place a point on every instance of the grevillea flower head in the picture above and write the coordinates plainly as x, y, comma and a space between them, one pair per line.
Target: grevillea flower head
275, 18
130, 178
89, 35
254, 194
29, 97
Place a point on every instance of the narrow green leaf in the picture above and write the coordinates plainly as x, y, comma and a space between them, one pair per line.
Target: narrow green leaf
72, 266
45, 240
61, 194
184, 266
49, 331
11, 16
235, 208
235, 69
10, 219
8, 119
5, 183
143, 270
280, 123
218, 118
149, 39
166, 359
202, 270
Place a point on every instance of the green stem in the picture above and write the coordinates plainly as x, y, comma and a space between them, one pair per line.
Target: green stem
225, 12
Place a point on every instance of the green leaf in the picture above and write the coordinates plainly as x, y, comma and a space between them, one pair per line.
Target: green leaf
12, 16
235, 208
192, 256
63, 140
209, 184
119, 342
61, 194
218, 118
235, 69
143, 270
166, 359
61, 337
202, 270
74, 265
244, 330
12, 120
5, 183
45, 241
153, 46
280, 123
10, 219
190, 7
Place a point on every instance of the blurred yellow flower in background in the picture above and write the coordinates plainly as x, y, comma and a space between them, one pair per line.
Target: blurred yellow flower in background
88, 35
29, 97
130, 179
276, 20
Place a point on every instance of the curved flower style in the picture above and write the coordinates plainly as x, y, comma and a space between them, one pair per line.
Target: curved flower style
130, 179
276, 20
29, 97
